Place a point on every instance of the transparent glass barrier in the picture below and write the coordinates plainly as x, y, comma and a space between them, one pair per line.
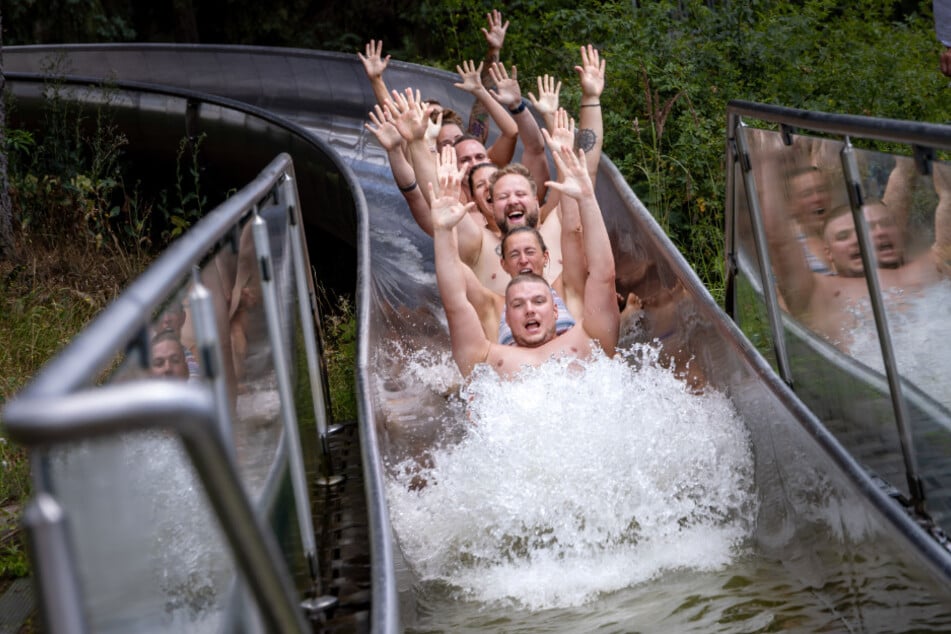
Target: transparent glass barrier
150, 553
830, 332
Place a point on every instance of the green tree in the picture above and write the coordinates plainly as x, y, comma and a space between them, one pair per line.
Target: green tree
6, 208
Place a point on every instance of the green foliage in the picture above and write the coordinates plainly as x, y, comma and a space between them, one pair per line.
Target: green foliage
673, 66
13, 559
191, 202
339, 330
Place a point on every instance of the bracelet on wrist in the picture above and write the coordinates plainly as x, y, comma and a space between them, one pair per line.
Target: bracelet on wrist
408, 188
591, 105
520, 107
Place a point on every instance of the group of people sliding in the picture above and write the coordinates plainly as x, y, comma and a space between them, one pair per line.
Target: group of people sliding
523, 262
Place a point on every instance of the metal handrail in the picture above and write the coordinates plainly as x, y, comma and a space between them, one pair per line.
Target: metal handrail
59, 407
190, 412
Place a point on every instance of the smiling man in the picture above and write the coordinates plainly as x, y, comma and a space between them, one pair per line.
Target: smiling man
531, 313
514, 204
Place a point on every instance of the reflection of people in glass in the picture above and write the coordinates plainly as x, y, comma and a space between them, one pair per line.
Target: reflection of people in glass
809, 203
834, 305
172, 320
168, 357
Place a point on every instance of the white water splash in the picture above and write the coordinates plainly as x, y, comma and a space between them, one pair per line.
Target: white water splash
577, 479
920, 328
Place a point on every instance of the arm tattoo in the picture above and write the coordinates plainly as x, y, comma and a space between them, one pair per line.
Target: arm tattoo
585, 139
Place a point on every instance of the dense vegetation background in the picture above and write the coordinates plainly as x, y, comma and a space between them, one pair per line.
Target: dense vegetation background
672, 66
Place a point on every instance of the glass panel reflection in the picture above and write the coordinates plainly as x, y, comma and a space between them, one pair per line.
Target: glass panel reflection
150, 552
819, 274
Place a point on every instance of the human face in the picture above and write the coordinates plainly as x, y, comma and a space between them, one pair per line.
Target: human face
468, 153
531, 313
842, 246
168, 360
447, 135
885, 235
523, 254
514, 203
810, 200
480, 190
172, 319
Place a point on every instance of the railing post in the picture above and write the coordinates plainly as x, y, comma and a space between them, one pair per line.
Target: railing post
853, 183
209, 354
309, 312
288, 409
762, 255
54, 566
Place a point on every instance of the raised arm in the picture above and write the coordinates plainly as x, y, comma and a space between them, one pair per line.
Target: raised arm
503, 149
794, 278
591, 137
478, 125
381, 125
942, 217
508, 93
546, 103
900, 190
412, 121
600, 317
574, 271
468, 233
374, 64
469, 343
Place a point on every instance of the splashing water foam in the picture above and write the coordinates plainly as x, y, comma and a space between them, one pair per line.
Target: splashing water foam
918, 325
574, 480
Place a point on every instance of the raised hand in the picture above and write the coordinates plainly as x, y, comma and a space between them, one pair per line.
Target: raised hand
471, 77
408, 114
447, 211
383, 128
447, 171
507, 91
573, 172
548, 93
373, 62
495, 34
563, 132
433, 126
591, 72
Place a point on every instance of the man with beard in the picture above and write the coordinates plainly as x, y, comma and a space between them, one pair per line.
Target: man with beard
530, 309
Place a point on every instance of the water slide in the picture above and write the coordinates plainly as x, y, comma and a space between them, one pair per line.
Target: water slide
753, 518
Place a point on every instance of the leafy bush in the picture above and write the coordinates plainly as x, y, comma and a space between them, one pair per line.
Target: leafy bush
673, 67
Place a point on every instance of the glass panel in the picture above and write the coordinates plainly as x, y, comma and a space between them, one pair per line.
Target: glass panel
149, 551
831, 335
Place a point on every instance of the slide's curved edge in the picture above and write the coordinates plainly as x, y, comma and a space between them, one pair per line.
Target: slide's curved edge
328, 95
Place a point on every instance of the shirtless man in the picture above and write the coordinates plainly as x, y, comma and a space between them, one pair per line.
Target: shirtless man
530, 309
828, 303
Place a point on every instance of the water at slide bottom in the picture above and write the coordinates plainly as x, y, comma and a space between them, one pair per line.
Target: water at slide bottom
607, 496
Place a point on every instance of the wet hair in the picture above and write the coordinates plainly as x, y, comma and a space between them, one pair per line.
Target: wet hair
526, 277
523, 229
467, 137
512, 168
801, 170
451, 116
167, 335
841, 210
477, 167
